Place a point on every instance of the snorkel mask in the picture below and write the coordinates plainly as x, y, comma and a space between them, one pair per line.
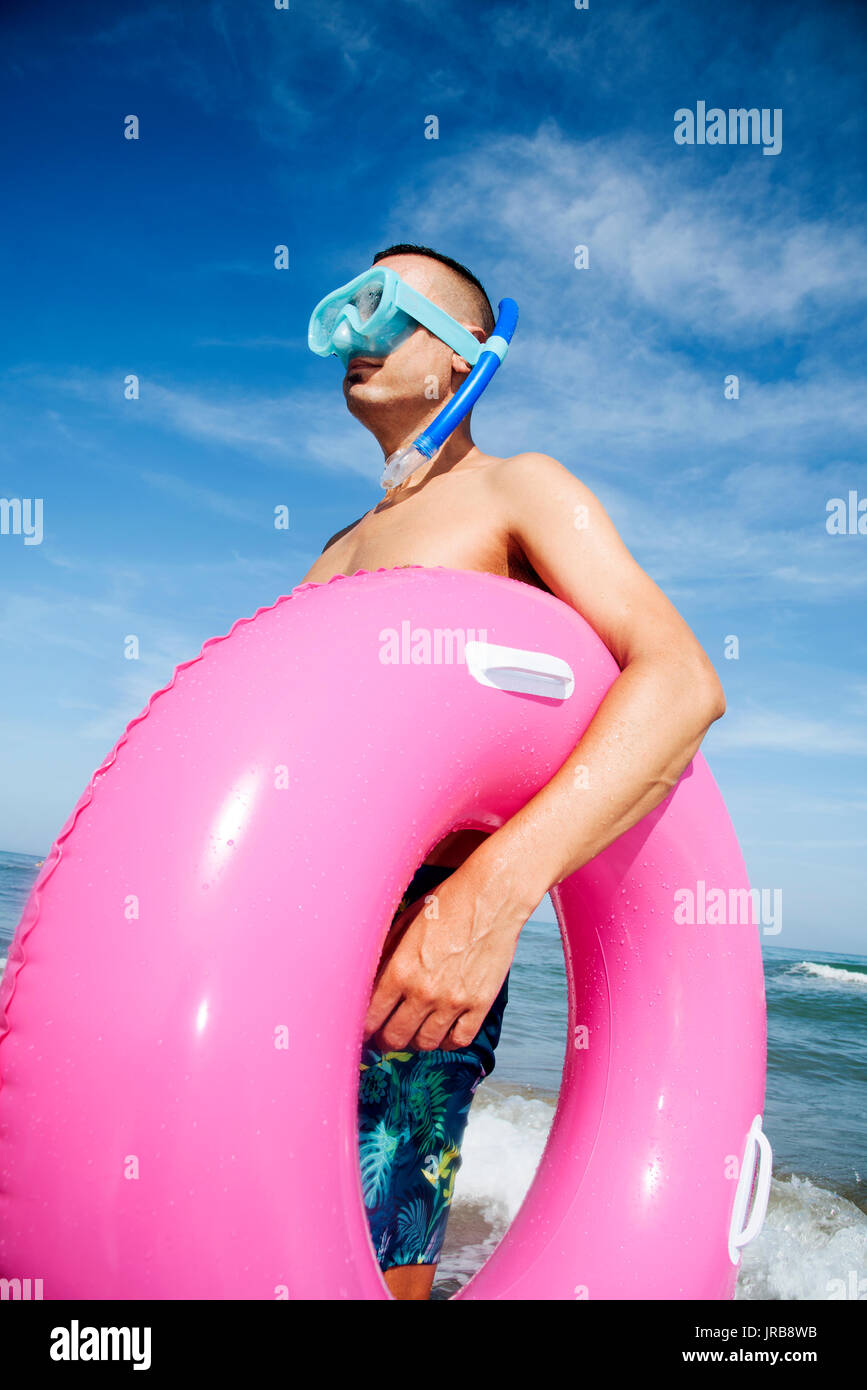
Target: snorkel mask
376, 312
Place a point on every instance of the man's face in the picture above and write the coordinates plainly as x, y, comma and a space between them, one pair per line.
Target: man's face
419, 371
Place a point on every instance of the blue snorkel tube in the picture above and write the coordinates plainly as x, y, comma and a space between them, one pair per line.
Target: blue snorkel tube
399, 465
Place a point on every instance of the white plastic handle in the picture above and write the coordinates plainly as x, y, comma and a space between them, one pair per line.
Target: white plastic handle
525, 673
758, 1150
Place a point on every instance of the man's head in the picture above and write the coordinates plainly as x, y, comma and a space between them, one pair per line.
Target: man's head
395, 395
463, 295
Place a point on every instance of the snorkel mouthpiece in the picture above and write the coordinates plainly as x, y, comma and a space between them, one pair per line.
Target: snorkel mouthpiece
399, 465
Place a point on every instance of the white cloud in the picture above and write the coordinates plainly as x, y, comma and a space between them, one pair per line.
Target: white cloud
691, 252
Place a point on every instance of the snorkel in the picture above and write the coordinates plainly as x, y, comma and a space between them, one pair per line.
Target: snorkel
375, 313
400, 464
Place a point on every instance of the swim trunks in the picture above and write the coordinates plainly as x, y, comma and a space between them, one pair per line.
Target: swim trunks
413, 1108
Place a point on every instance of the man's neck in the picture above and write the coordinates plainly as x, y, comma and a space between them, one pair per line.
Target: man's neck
457, 448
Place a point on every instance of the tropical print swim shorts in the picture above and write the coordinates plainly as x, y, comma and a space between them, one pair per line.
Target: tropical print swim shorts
412, 1113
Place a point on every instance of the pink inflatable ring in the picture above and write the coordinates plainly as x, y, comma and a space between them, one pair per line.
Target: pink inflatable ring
181, 1016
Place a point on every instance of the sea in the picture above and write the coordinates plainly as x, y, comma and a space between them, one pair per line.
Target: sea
814, 1241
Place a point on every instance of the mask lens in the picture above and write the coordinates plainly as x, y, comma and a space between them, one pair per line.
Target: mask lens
367, 300
363, 317
326, 321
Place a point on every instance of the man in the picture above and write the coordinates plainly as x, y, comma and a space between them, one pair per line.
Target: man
434, 1019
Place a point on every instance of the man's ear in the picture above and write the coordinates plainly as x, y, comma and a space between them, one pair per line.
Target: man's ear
460, 364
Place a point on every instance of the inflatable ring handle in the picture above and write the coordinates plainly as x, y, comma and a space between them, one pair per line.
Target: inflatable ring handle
757, 1155
525, 673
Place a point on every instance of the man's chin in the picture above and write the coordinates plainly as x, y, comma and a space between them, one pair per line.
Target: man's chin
362, 388
363, 400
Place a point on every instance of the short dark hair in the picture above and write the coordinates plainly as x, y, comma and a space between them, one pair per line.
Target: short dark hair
486, 313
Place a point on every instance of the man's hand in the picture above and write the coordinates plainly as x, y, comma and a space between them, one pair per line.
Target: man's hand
443, 963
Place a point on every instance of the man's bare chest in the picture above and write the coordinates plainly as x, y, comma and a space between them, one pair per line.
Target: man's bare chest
396, 535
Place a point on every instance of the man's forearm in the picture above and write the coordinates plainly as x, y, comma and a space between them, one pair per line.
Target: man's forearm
644, 734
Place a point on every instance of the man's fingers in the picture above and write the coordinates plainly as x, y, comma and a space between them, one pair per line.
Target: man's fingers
401, 1028
462, 1031
434, 1031
387, 995
388, 989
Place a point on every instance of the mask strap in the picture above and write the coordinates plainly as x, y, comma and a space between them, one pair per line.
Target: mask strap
437, 321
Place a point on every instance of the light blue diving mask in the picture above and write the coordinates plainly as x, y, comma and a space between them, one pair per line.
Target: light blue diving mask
375, 313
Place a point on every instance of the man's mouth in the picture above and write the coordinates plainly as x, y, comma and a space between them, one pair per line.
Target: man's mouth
362, 362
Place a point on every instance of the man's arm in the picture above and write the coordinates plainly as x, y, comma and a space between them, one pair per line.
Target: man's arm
444, 974
653, 718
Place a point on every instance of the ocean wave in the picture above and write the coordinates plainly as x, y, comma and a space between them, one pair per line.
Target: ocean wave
832, 974
502, 1146
813, 1245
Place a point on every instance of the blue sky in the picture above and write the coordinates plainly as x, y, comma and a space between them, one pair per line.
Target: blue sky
306, 127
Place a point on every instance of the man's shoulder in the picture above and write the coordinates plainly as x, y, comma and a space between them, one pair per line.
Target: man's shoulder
523, 473
531, 492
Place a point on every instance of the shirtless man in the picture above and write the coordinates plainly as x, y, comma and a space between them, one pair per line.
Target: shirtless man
440, 988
